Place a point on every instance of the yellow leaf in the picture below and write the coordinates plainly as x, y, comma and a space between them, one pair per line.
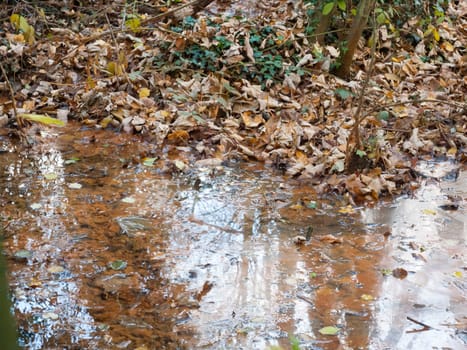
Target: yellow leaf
347, 210
436, 34
21, 24
29, 35
144, 92
41, 118
14, 20
111, 68
447, 46
452, 151
134, 24
429, 211
367, 297
104, 122
457, 274
115, 68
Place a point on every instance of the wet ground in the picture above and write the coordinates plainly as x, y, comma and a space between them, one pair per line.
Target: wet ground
114, 245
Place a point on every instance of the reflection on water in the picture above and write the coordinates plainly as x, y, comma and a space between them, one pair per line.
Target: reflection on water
132, 258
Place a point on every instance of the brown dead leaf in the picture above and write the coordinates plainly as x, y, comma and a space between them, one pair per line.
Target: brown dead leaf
252, 120
178, 137
331, 239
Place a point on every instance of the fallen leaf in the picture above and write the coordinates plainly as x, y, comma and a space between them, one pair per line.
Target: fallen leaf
329, 330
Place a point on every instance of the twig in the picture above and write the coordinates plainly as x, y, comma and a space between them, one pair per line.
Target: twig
304, 298
118, 63
424, 325
10, 88
358, 117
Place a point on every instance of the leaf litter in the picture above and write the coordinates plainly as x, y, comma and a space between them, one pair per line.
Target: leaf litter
210, 82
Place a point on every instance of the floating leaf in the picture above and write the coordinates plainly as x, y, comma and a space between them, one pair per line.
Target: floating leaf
386, 272
149, 161
346, 210
367, 297
329, 330
400, 273
128, 200
75, 186
41, 118
23, 254
72, 160
118, 265
56, 269
50, 316
180, 165
429, 211
35, 206
51, 176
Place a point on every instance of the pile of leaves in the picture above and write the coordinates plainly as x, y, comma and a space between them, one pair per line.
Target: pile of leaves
244, 80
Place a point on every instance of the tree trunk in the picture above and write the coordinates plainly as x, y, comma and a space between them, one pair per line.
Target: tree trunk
359, 23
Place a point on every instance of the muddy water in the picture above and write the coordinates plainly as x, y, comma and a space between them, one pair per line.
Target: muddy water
106, 252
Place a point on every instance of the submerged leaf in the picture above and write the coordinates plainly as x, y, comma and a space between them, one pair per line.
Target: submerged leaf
56, 269
71, 160
118, 265
75, 186
23, 254
51, 176
329, 330
128, 200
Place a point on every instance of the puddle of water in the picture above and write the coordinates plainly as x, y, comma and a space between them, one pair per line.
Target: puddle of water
114, 254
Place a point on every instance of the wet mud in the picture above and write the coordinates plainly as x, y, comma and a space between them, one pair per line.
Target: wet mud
112, 244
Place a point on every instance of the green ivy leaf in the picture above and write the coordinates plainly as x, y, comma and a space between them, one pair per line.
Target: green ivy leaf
341, 4
328, 8
381, 19
343, 94
383, 115
360, 153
